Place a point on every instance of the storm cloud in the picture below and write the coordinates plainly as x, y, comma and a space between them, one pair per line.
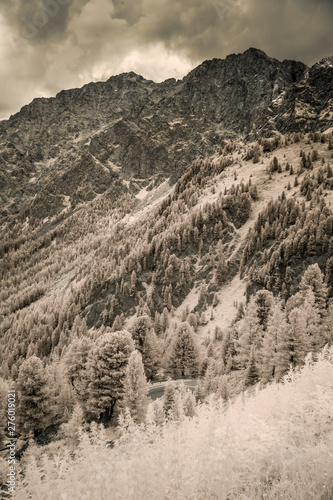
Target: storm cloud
48, 45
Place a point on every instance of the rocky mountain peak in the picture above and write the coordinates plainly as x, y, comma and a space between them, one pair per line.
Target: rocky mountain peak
138, 129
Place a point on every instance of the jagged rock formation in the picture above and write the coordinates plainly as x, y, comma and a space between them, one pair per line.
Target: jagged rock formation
78, 143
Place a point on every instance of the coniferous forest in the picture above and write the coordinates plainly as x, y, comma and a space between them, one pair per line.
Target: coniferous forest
209, 284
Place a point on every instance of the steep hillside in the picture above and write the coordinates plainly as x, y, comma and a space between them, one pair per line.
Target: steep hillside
152, 233
197, 248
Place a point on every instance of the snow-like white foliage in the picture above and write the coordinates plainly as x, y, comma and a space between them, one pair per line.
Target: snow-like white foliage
276, 443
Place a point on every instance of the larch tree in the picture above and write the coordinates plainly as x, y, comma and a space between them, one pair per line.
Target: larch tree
135, 388
145, 341
276, 329
33, 411
169, 397
316, 325
251, 373
184, 359
71, 429
313, 279
210, 380
189, 404
221, 270
106, 365
249, 333
264, 301
75, 360
293, 343
223, 390
199, 391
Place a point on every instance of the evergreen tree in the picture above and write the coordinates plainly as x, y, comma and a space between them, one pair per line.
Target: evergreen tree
189, 404
199, 391
276, 329
177, 411
250, 333
221, 270
145, 341
316, 326
134, 281
210, 378
223, 390
264, 301
75, 360
184, 360
292, 343
313, 280
155, 412
71, 429
135, 388
251, 374
106, 366
34, 402
169, 397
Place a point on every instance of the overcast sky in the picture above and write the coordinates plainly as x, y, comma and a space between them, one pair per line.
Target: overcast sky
50, 45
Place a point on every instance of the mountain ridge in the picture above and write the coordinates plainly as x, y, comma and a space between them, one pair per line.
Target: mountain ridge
140, 129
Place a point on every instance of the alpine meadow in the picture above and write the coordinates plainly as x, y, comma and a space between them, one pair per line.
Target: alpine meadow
166, 313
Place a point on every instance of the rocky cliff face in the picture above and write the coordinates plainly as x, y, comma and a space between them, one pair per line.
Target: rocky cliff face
75, 146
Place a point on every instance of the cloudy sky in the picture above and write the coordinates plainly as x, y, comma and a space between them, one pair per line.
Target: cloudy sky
50, 45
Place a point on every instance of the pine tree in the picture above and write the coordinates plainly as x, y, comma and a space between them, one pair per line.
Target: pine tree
134, 281
221, 271
177, 410
199, 391
75, 360
117, 324
250, 333
292, 343
210, 382
193, 321
189, 404
264, 301
276, 329
251, 374
313, 280
184, 360
223, 390
106, 366
155, 412
33, 396
145, 341
135, 388
71, 429
316, 326
169, 397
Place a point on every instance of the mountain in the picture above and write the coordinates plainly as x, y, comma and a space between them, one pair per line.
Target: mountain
180, 229
68, 149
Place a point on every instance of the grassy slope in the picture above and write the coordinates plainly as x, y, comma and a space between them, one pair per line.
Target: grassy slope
275, 443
